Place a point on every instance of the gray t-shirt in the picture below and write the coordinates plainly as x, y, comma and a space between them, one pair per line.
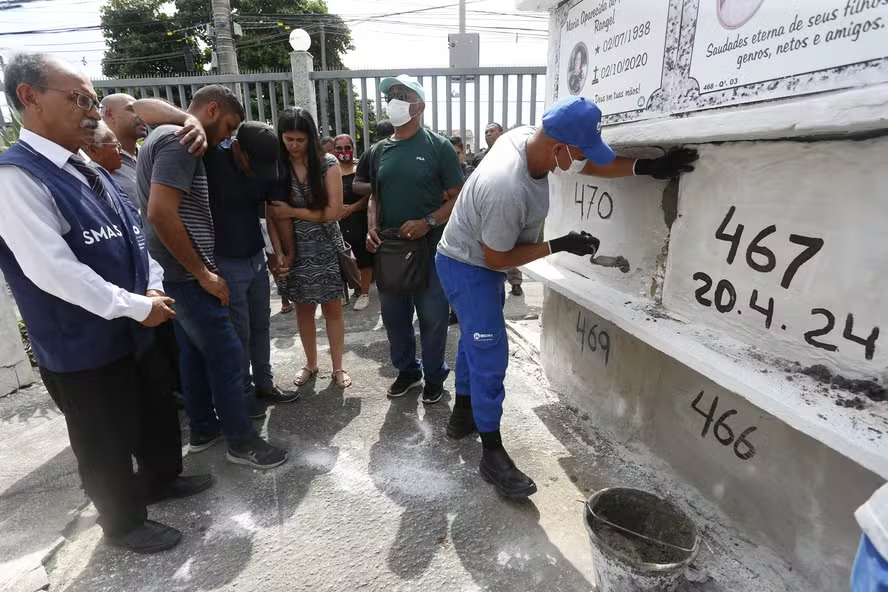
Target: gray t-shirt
126, 177
165, 161
500, 205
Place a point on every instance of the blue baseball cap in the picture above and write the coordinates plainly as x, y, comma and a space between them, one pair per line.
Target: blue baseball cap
577, 121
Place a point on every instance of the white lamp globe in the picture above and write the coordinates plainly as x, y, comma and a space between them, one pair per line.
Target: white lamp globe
299, 40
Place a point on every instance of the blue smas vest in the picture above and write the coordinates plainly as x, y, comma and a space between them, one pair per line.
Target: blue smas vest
64, 336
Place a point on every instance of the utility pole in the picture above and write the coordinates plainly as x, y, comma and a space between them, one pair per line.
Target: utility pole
225, 51
462, 16
323, 49
324, 123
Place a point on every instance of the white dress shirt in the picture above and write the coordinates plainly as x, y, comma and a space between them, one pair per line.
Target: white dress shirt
32, 227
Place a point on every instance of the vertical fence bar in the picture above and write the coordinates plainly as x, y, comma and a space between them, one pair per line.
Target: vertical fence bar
365, 115
490, 102
182, 103
421, 80
448, 81
477, 141
533, 99
378, 101
193, 89
130, 92
260, 100
518, 120
169, 93
505, 122
350, 97
272, 98
324, 115
245, 93
337, 105
285, 89
435, 103
462, 109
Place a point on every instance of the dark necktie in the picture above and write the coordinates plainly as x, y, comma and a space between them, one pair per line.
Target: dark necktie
92, 178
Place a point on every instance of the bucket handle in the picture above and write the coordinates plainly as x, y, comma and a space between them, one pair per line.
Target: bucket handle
633, 533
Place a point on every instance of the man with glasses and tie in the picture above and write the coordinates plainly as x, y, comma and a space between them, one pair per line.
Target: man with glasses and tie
74, 254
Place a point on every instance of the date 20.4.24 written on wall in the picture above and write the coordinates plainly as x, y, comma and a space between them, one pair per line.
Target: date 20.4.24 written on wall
725, 298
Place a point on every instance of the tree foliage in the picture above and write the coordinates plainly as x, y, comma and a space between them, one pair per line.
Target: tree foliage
139, 39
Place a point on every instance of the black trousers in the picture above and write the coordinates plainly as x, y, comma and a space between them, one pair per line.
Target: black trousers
114, 413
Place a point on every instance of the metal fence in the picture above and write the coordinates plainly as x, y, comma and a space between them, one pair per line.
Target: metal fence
458, 100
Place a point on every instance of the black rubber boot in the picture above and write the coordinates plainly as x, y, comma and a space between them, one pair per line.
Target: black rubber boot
462, 422
498, 469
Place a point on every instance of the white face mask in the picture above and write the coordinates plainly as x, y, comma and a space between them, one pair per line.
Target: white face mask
575, 168
398, 112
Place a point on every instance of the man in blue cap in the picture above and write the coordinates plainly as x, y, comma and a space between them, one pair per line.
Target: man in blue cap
495, 226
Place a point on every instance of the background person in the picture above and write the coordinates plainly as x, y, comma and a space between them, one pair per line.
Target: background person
354, 221
89, 292
417, 181
174, 198
361, 184
312, 188
327, 145
119, 114
103, 148
495, 226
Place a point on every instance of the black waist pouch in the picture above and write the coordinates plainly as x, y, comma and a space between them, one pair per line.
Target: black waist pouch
401, 266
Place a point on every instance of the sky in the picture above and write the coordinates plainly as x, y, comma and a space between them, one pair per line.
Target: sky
508, 37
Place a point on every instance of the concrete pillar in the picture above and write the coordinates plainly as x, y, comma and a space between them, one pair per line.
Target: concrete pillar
302, 65
15, 369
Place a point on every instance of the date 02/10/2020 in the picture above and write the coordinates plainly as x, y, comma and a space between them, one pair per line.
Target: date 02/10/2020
762, 259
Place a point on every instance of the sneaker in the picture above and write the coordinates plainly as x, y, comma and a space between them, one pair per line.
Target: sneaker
256, 453
276, 396
199, 443
404, 383
517, 291
148, 537
255, 409
432, 393
362, 302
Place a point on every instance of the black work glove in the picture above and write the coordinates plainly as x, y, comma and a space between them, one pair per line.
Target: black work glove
576, 243
666, 167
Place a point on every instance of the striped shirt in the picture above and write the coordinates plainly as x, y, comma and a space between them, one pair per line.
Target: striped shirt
163, 160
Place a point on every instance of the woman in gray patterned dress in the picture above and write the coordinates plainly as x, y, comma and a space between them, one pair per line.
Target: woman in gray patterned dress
306, 223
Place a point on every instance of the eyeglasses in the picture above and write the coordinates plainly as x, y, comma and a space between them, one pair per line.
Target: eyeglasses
117, 145
399, 96
82, 100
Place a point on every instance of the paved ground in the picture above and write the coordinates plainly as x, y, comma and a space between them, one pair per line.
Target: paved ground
374, 496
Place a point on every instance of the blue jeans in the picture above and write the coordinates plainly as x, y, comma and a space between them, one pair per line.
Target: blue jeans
250, 313
210, 364
477, 295
433, 311
870, 573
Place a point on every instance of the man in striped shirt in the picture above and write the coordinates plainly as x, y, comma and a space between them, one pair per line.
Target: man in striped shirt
174, 198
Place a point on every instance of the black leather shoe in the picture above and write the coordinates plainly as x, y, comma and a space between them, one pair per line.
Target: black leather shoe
149, 537
498, 469
276, 396
462, 421
182, 486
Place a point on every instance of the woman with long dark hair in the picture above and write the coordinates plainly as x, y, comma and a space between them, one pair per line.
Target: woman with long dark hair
306, 215
354, 220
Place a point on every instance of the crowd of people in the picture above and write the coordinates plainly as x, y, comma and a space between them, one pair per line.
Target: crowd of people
140, 263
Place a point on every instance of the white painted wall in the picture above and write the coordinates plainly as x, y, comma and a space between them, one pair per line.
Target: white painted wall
813, 460
15, 369
831, 191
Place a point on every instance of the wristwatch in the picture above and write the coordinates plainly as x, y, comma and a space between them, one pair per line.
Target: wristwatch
430, 220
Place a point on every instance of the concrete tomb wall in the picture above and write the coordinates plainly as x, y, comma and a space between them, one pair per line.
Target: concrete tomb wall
743, 342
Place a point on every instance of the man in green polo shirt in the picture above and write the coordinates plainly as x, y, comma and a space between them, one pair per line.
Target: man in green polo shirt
416, 184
